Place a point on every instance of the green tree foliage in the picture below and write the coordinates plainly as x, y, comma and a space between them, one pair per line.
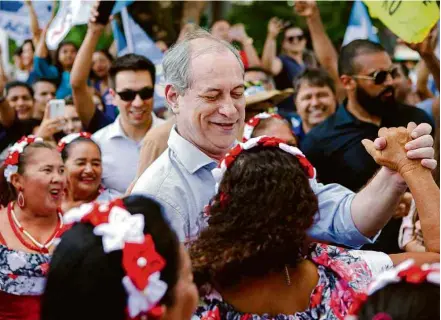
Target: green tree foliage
255, 17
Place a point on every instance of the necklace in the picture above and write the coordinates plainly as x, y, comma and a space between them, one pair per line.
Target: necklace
40, 247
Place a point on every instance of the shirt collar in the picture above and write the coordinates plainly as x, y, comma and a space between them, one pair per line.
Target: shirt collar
189, 155
343, 116
115, 129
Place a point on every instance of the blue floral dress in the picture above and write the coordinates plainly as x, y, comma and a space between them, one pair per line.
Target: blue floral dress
341, 273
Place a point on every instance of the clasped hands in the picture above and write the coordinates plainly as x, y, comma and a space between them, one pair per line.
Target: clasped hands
403, 150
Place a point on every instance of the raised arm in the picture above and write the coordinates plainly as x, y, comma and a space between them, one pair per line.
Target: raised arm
322, 45
35, 28
80, 73
7, 114
426, 49
270, 61
247, 45
41, 51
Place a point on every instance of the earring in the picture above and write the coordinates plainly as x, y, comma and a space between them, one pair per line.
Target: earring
20, 199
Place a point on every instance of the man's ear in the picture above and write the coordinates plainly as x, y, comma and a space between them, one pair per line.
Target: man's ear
171, 95
113, 94
348, 82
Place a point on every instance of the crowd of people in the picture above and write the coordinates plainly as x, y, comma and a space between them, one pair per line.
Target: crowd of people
294, 185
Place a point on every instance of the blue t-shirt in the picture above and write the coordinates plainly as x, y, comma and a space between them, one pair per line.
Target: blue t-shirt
43, 69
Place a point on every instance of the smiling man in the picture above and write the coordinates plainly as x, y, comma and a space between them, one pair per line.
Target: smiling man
315, 100
20, 98
205, 89
132, 84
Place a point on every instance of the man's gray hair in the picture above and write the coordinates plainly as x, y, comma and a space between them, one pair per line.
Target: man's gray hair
177, 60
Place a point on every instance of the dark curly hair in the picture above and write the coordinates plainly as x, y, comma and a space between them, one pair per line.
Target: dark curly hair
404, 301
262, 224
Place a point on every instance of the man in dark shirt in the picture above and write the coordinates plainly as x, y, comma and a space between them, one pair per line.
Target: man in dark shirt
334, 147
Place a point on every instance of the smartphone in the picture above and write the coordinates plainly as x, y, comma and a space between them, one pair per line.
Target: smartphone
104, 11
56, 108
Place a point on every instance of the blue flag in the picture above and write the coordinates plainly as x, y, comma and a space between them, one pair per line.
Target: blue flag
360, 25
133, 39
15, 21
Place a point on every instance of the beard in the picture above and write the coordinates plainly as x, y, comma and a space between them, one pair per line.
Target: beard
380, 105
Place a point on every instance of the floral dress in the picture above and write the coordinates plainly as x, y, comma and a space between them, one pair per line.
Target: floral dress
341, 273
22, 281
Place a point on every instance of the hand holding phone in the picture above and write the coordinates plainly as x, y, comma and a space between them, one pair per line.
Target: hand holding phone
104, 10
56, 108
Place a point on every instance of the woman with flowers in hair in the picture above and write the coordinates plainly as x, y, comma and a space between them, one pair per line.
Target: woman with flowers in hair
82, 158
29, 224
120, 260
254, 261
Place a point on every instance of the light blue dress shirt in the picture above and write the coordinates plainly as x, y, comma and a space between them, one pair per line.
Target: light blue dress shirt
181, 180
120, 156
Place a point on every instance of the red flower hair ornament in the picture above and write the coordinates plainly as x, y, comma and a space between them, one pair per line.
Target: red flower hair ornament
121, 230
263, 141
11, 162
251, 124
71, 137
406, 271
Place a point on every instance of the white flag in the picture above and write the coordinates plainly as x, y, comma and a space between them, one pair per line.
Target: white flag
70, 13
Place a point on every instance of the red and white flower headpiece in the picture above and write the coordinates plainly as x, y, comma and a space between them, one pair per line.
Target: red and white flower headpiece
13, 157
71, 137
263, 141
121, 230
251, 124
406, 271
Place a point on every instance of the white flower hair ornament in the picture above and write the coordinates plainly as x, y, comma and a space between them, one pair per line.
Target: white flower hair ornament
251, 124
406, 271
263, 141
71, 137
121, 230
13, 158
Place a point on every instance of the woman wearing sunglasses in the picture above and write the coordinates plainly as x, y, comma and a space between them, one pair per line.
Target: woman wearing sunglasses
294, 58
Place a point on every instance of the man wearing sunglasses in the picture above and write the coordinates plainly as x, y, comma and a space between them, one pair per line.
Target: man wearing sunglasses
132, 79
290, 63
334, 147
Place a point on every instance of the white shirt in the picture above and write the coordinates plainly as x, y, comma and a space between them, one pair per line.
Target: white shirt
120, 156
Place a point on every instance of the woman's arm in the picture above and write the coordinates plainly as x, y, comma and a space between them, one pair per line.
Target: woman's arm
7, 114
35, 28
80, 73
270, 62
420, 182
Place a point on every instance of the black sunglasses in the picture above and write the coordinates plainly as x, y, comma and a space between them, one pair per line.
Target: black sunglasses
298, 38
130, 95
379, 76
